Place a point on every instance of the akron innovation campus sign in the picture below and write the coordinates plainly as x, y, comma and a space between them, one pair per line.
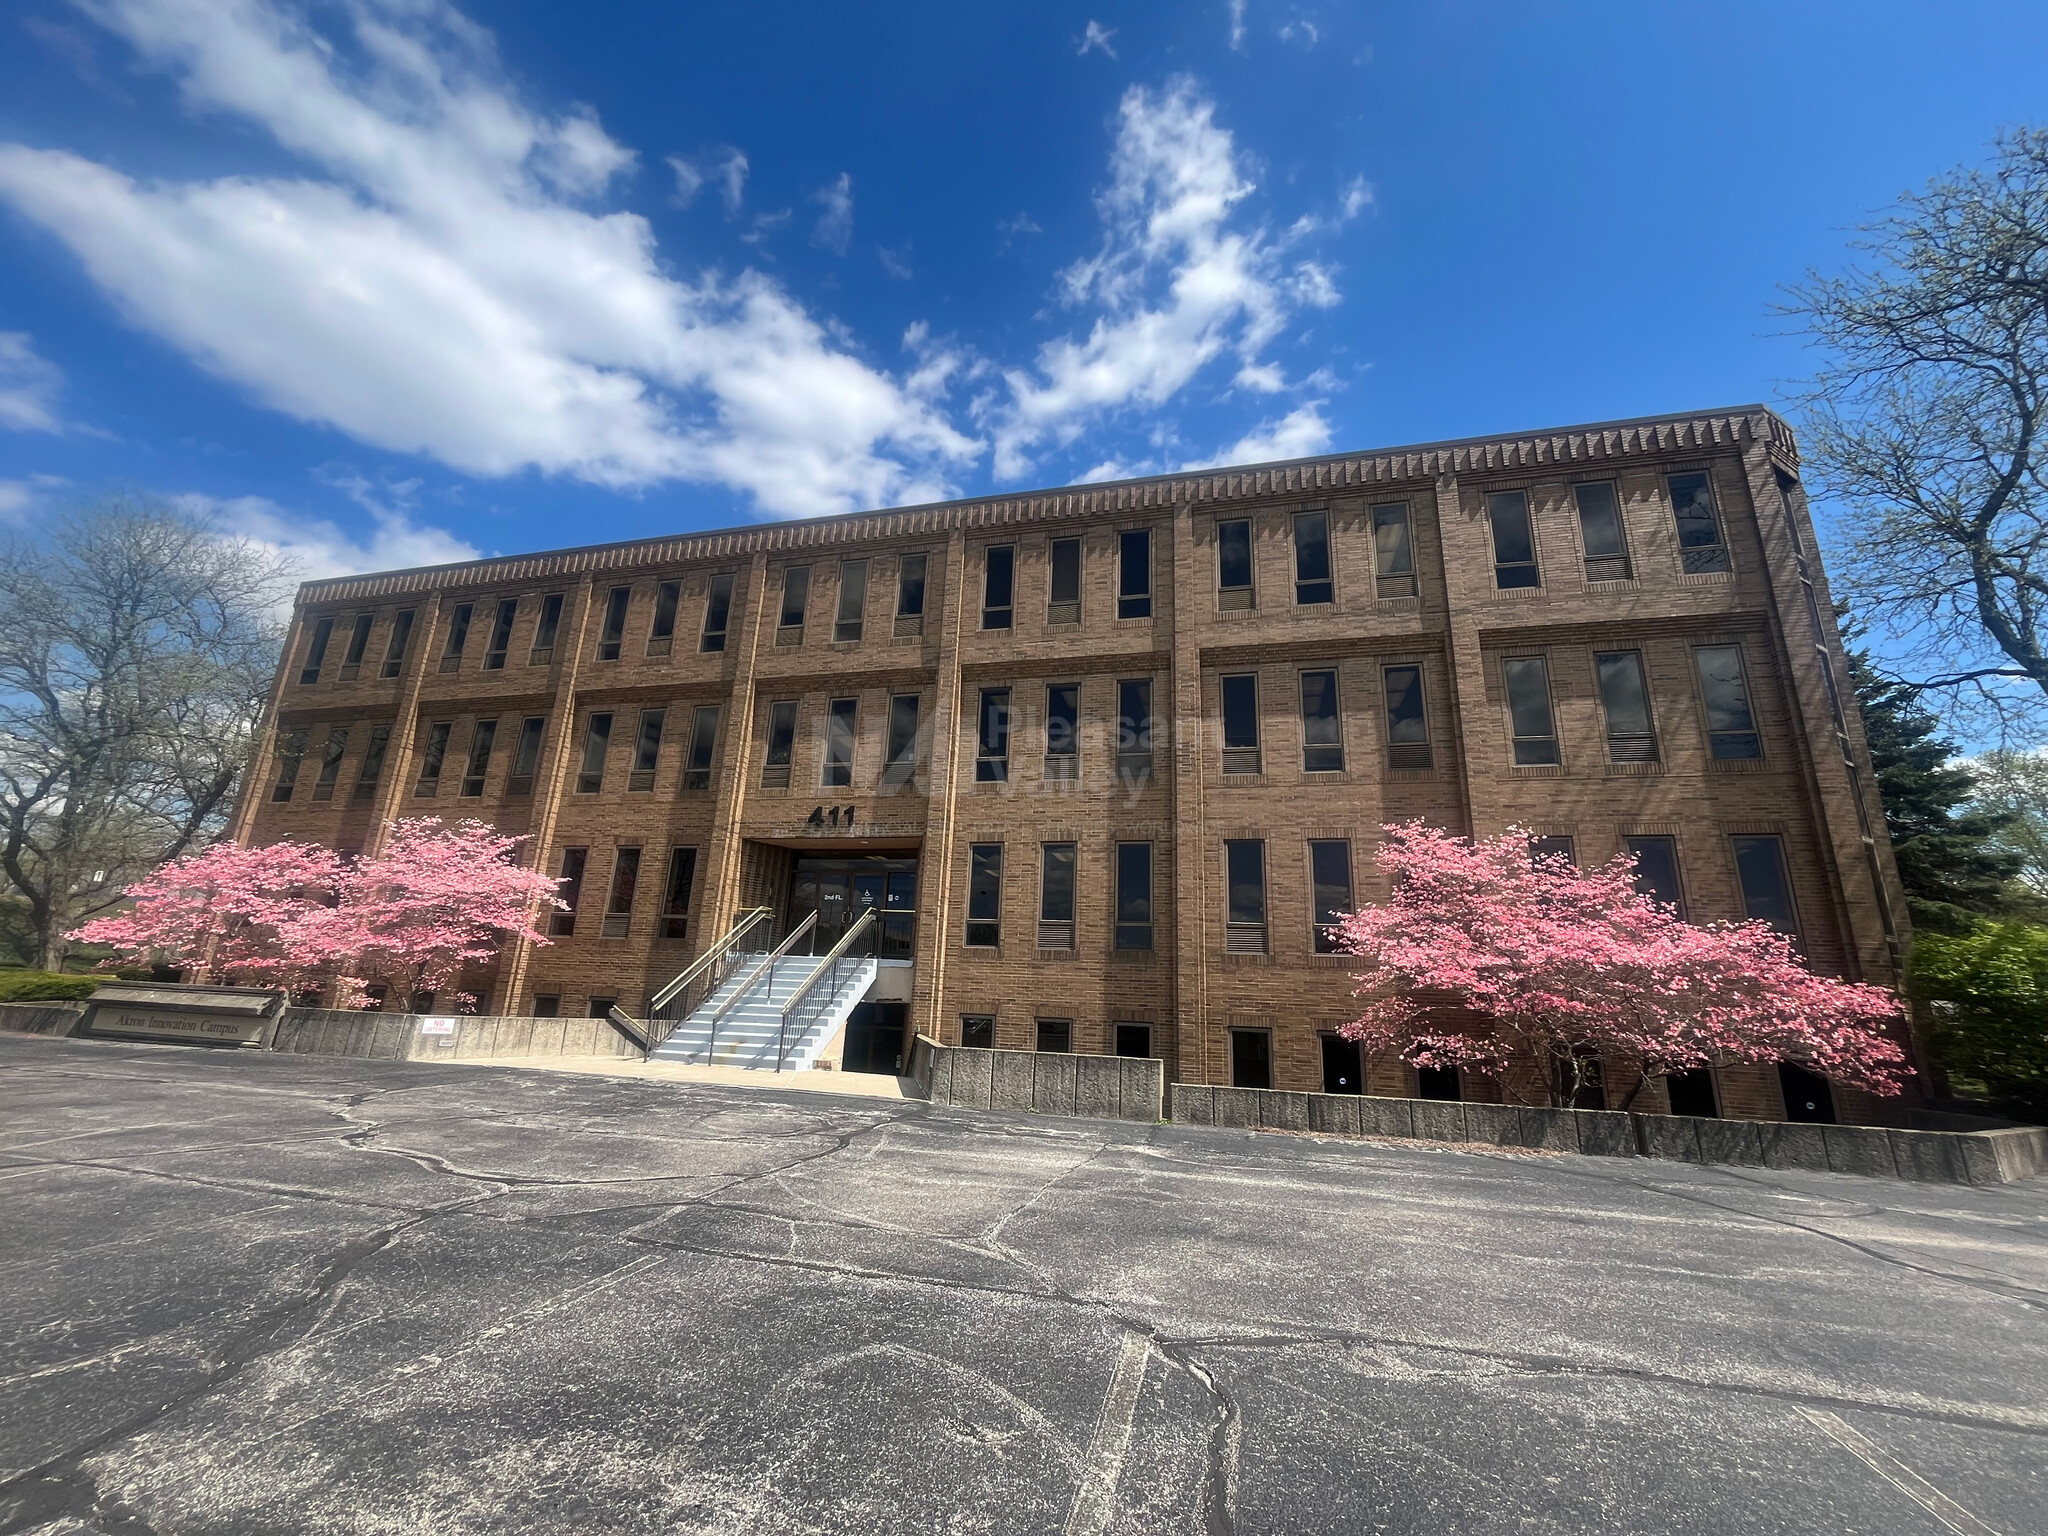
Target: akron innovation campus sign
181, 1015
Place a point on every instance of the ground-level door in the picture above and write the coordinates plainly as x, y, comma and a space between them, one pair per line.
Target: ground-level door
840, 888
874, 1038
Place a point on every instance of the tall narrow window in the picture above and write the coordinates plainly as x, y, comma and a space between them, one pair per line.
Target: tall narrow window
1134, 896
1600, 529
1731, 727
901, 767
703, 741
545, 631
330, 762
1234, 565
675, 898
1056, 896
1407, 726
1251, 1058
910, 572
998, 586
458, 637
1134, 574
432, 756
291, 751
717, 612
482, 738
1063, 731
1322, 726
394, 649
526, 757
358, 642
1241, 723
1656, 872
1134, 728
851, 620
796, 595
611, 638
1063, 602
1244, 917
1312, 577
985, 894
992, 737
839, 724
647, 749
1531, 725
1393, 554
1700, 546
661, 635
569, 889
618, 911
1766, 892
597, 740
1514, 541
501, 634
1329, 869
316, 651
781, 744
372, 768
1625, 700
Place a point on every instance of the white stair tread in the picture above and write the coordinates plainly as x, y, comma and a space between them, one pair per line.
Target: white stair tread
750, 1035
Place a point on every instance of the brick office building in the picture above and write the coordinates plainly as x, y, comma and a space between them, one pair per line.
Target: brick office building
1110, 755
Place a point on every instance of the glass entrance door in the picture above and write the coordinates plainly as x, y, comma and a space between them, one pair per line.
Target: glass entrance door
840, 889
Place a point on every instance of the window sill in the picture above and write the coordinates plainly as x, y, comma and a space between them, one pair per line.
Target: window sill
1618, 587
1397, 605
1706, 578
1518, 594
1635, 770
1738, 765
1536, 770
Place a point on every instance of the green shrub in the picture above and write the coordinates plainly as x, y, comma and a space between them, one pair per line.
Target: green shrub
1987, 992
42, 986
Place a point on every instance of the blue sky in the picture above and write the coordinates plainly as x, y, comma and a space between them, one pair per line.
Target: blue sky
389, 282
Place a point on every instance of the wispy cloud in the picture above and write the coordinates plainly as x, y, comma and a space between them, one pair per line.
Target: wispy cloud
1300, 433
1237, 25
1096, 40
895, 263
724, 167
28, 386
319, 549
1179, 283
835, 225
439, 278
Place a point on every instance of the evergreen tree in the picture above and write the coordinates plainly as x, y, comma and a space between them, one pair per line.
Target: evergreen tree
1944, 843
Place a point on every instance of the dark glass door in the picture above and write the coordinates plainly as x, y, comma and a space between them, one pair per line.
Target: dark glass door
840, 889
1807, 1095
1342, 1072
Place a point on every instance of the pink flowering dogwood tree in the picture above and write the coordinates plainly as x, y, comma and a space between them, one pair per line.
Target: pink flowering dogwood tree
1490, 960
437, 901
239, 913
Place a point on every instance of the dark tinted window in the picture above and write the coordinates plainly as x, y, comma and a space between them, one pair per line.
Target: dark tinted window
1330, 873
1392, 553
992, 736
1656, 873
1731, 728
1134, 574
316, 652
1066, 571
501, 633
481, 741
985, 893
999, 579
781, 732
394, 653
903, 729
1405, 723
796, 591
910, 586
614, 632
570, 890
853, 600
1599, 519
1251, 1058
597, 739
458, 633
1056, 1034
839, 723
1062, 720
1134, 725
1766, 893
978, 1031
1322, 730
1241, 711
550, 624
1056, 883
717, 613
1699, 529
1514, 543
1234, 554
666, 597
1133, 895
647, 747
1245, 874
1535, 735
1312, 583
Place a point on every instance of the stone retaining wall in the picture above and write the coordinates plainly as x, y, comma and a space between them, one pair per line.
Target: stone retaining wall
51, 1018
1942, 1157
397, 1037
1049, 1082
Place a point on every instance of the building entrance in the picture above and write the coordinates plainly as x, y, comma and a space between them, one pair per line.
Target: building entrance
839, 889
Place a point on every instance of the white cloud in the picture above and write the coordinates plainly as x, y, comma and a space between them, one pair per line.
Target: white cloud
319, 549
1237, 25
835, 224
15, 499
1356, 199
1297, 435
725, 165
1299, 30
896, 263
1096, 38
28, 386
1175, 286
435, 280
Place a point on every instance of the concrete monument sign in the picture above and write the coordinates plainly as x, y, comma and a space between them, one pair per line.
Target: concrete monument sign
185, 1015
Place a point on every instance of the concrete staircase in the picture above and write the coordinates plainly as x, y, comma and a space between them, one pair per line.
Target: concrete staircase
750, 1033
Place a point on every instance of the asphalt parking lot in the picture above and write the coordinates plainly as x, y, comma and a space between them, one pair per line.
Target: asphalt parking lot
248, 1293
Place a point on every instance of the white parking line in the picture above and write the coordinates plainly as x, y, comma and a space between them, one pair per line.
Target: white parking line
1899, 1475
1095, 1498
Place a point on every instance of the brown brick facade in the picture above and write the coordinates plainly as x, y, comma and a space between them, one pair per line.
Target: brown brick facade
1758, 596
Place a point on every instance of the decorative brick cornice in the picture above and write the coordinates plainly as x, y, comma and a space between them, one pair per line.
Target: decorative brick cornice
1735, 427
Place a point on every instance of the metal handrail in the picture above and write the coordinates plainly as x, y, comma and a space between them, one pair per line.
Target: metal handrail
767, 963
862, 925
742, 926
